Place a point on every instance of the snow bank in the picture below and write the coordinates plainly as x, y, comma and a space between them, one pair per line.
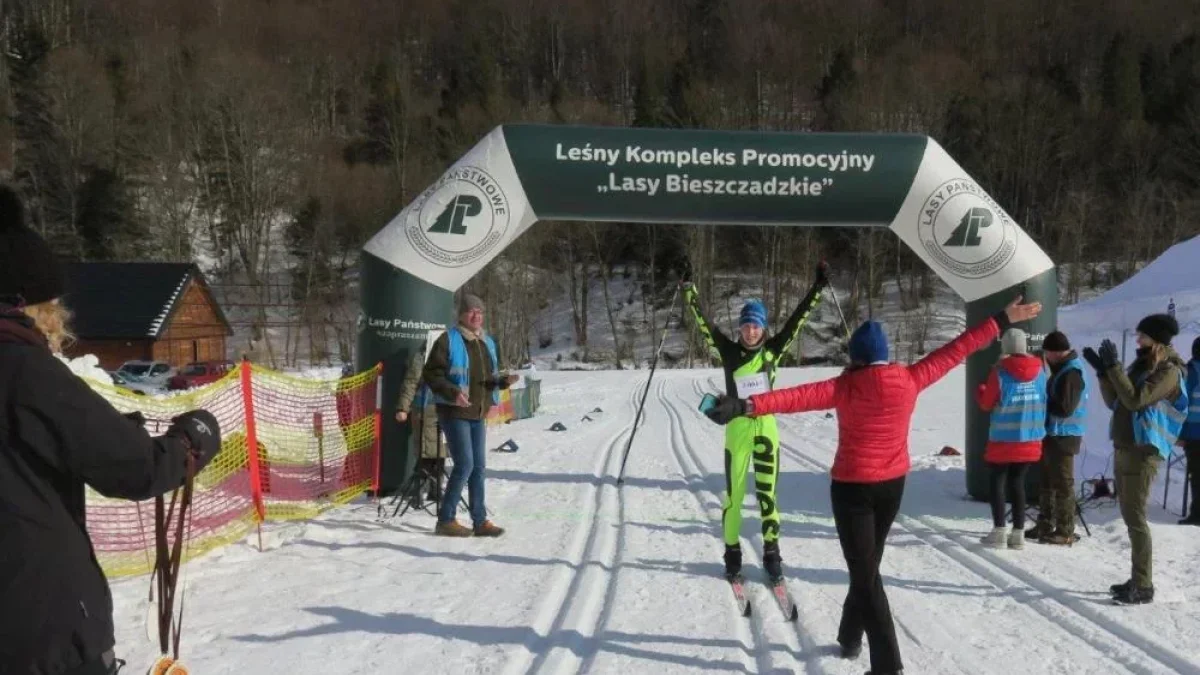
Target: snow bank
87, 367
323, 373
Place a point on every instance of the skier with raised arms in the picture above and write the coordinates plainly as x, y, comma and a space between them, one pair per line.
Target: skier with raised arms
750, 367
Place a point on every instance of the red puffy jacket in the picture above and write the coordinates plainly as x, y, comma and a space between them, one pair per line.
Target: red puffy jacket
875, 405
1024, 368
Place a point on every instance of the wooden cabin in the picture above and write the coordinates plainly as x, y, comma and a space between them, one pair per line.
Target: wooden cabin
144, 311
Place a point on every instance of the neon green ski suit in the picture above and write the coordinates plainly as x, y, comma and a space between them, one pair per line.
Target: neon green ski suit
747, 437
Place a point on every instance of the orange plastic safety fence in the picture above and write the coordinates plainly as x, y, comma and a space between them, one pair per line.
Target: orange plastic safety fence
316, 445
315, 441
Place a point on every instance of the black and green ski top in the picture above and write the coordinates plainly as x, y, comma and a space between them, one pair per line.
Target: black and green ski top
740, 361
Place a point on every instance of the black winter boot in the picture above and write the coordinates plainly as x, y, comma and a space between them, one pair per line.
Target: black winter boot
772, 562
1119, 589
1042, 528
1134, 596
733, 560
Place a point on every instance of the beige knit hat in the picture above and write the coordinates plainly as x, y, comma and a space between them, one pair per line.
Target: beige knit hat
1014, 341
468, 302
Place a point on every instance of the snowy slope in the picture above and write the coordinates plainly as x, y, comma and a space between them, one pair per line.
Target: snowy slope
1171, 276
600, 579
823, 339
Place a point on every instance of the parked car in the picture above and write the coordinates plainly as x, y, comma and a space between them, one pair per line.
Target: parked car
151, 374
133, 385
198, 374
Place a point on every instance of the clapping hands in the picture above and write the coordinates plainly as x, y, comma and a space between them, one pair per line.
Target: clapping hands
1103, 360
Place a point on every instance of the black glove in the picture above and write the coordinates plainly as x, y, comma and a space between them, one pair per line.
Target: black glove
1093, 358
199, 428
137, 418
727, 409
1108, 354
822, 279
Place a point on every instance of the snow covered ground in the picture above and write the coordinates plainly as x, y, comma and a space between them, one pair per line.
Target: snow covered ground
592, 577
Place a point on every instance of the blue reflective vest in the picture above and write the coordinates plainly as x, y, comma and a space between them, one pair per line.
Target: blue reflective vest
460, 364
1020, 416
1073, 424
1159, 424
1191, 428
423, 398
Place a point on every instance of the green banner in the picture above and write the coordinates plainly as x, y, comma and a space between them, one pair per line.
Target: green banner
398, 310
519, 174
690, 176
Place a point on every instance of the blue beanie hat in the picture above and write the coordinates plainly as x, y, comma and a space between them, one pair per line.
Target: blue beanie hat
754, 312
869, 343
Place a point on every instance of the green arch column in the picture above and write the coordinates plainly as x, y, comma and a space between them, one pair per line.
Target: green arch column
397, 313
1042, 288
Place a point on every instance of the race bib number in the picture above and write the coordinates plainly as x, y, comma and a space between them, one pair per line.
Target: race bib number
749, 385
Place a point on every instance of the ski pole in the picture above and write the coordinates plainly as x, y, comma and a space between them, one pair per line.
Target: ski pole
838, 305
653, 366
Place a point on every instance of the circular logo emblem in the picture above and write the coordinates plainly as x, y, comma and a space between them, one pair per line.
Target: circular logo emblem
965, 231
459, 219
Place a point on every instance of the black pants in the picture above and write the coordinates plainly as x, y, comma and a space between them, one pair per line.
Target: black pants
1011, 476
864, 513
1192, 450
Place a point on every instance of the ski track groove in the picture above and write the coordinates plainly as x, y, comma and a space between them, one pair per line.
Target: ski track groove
1035, 594
800, 638
988, 566
610, 592
752, 640
558, 608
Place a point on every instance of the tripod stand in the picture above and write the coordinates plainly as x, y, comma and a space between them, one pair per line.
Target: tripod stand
1032, 513
427, 472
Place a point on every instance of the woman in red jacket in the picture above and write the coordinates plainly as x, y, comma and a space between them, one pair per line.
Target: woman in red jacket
874, 400
1015, 395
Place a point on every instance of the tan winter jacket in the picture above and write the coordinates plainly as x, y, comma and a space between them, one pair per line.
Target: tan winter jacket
1118, 387
423, 423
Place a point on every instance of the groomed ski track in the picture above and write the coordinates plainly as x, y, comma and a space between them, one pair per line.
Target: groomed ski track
593, 577
1017, 602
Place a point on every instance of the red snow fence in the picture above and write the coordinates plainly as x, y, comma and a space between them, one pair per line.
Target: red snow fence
315, 446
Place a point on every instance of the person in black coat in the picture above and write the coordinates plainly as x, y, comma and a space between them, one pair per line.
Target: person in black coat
56, 436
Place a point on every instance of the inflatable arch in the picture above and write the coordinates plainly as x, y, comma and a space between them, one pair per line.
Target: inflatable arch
519, 174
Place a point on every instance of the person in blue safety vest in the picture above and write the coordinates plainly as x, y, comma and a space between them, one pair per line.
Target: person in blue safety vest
464, 375
1066, 415
1149, 404
1190, 436
1015, 395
